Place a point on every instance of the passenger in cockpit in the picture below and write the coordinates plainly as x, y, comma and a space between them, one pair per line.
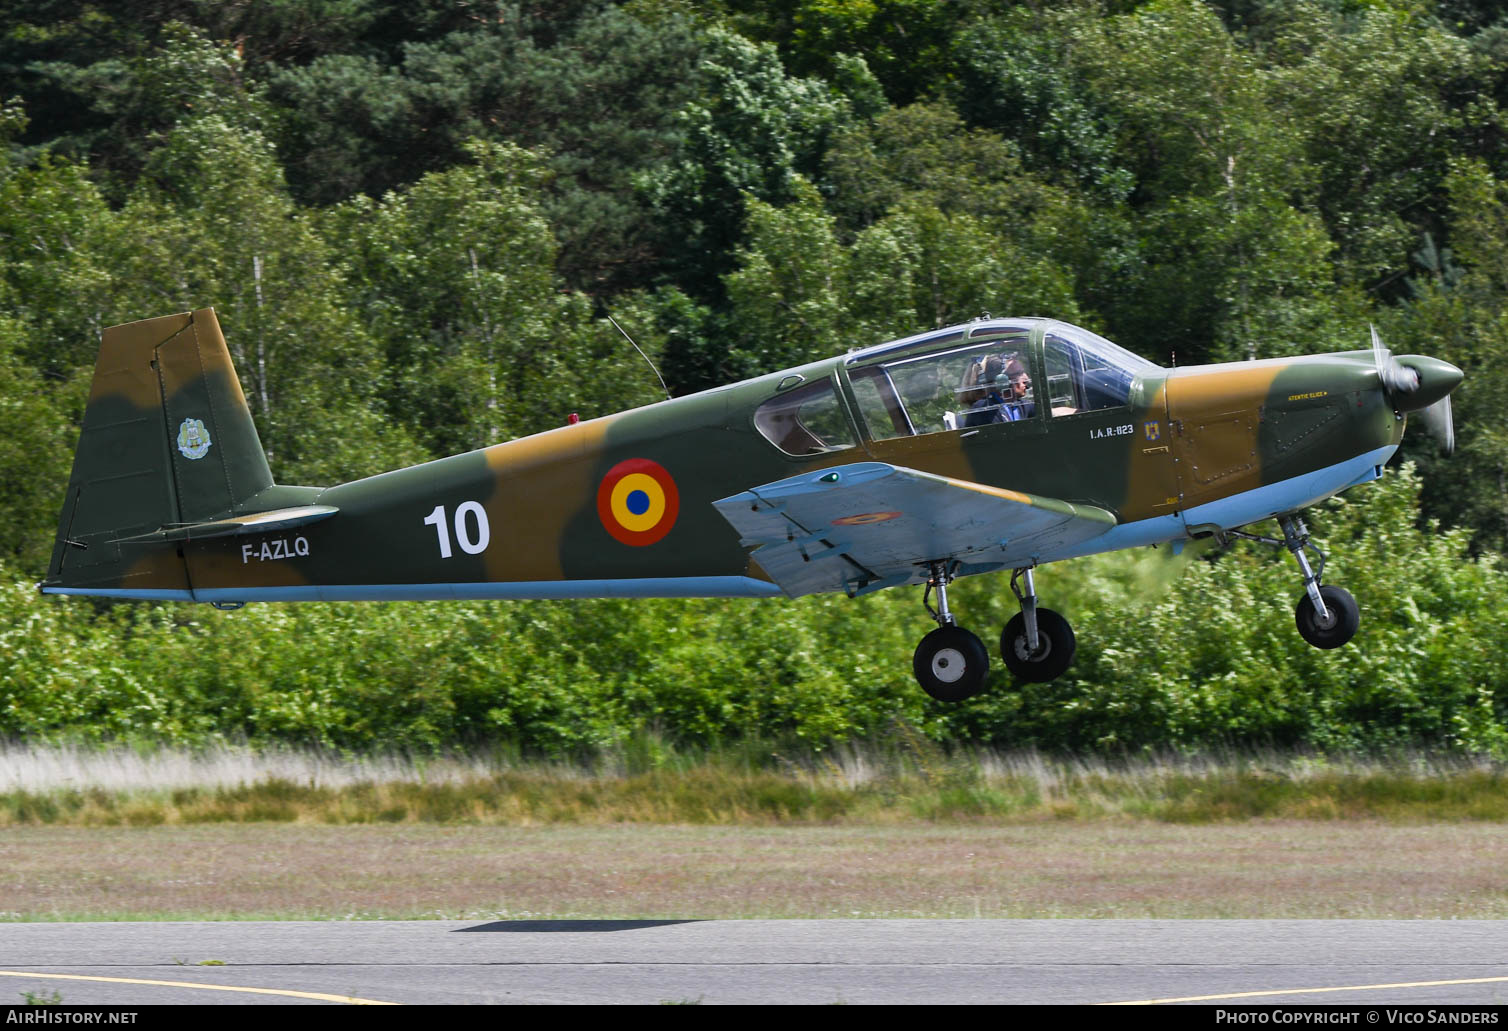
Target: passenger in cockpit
995, 405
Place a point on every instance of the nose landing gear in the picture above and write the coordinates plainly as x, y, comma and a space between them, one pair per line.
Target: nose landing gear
1327, 617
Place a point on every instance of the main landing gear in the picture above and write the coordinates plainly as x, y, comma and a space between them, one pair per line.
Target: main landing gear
1327, 617
1037, 644
951, 663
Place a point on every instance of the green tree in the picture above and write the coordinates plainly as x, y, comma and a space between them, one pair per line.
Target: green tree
1017, 75
37, 434
799, 295
787, 294
132, 99
925, 153
1230, 266
749, 131
455, 276
1377, 101
922, 267
598, 93
54, 276
1458, 314
212, 225
908, 44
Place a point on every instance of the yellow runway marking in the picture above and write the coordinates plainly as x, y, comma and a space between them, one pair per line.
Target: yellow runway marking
1306, 991
349, 999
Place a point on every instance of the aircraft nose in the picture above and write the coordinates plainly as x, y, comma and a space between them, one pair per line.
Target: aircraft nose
1435, 380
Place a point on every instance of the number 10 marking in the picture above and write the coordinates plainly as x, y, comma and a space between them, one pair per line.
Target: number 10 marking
471, 543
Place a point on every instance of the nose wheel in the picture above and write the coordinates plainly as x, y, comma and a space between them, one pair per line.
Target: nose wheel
1327, 616
1336, 625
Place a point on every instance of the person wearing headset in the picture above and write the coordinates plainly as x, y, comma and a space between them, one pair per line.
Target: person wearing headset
1000, 402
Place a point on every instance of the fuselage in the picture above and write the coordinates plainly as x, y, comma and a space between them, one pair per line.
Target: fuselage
623, 505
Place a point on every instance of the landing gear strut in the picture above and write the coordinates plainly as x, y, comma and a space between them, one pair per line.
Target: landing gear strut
1037, 644
951, 663
1327, 617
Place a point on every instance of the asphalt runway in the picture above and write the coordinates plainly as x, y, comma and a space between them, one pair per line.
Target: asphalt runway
1292, 962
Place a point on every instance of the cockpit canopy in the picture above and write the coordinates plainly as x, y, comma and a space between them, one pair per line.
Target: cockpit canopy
958, 378
974, 375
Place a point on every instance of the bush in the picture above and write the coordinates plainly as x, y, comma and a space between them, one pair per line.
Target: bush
1209, 659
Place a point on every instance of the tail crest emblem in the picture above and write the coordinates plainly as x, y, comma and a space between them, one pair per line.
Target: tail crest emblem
193, 439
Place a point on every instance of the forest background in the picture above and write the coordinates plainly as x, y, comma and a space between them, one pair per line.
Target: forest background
414, 218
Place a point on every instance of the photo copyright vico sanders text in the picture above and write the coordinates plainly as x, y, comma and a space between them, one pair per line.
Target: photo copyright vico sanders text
1365, 1015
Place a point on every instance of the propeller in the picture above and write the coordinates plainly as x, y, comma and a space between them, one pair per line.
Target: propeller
1402, 383
1437, 421
1396, 377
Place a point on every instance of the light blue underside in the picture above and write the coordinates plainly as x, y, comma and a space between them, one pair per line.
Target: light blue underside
648, 587
1238, 510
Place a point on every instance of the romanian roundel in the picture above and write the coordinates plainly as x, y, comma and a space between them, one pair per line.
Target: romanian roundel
637, 501
865, 518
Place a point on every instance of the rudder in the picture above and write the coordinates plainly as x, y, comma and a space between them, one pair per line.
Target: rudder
167, 439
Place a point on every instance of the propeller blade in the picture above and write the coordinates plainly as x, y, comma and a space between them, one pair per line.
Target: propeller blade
1437, 419
1396, 378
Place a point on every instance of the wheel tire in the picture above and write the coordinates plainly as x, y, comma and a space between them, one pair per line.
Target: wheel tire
1345, 617
951, 664
1055, 647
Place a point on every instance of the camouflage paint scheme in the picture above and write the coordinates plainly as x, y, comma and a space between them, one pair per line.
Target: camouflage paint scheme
152, 512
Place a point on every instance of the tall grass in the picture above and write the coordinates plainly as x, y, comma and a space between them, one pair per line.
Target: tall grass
903, 779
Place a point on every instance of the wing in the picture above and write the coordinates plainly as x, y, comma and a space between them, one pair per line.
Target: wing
861, 527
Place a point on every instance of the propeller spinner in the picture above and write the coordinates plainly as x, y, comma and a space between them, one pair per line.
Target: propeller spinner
1418, 383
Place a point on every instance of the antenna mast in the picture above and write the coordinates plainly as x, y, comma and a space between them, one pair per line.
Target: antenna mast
636, 347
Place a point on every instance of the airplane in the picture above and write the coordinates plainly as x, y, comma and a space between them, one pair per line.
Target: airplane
916, 461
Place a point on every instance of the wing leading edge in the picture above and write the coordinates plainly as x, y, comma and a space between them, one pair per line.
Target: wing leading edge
858, 528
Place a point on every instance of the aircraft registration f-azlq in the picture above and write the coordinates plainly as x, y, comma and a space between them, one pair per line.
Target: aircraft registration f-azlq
912, 462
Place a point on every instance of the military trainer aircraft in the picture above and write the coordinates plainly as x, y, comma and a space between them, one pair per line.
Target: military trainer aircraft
1000, 444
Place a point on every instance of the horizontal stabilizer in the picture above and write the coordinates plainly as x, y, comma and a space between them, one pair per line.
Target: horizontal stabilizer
255, 522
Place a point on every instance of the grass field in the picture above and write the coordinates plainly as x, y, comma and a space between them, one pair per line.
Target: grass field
746, 787
1302, 869
228, 834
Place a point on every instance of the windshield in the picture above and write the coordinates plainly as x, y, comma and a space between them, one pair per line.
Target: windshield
1086, 372
1104, 352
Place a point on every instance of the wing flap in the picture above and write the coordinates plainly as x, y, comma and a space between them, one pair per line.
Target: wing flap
853, 527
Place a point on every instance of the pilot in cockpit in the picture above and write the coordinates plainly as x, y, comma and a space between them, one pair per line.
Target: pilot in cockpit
1021, 389
992, 406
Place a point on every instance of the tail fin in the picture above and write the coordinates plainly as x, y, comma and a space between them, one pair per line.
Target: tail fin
167, 440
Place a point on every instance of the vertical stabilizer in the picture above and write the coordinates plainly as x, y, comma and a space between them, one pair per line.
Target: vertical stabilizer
167, 439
